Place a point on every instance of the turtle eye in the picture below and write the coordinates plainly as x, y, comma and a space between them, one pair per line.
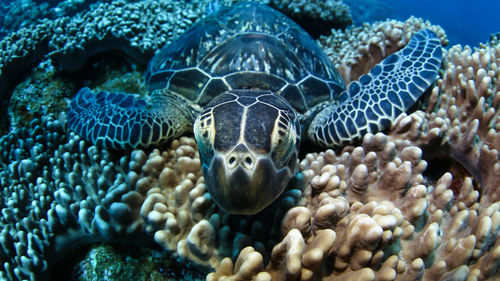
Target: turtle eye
204, 135
284, 139
203, 126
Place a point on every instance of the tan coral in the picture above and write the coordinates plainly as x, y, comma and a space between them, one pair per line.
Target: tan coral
348, 234
471, 97
248, 266
175, 206
394, 227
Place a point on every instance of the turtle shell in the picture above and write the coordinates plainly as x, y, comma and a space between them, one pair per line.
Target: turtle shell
250, 46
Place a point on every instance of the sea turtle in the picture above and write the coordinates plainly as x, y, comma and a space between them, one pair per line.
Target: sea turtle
253, 83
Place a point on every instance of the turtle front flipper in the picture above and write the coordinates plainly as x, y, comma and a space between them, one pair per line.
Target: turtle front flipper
118, 120
377, 98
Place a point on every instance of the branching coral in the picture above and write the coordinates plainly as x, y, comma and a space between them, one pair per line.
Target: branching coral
370, 215
59, 191
183, 218
56, 187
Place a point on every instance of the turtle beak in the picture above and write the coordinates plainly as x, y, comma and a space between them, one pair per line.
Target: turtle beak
243, 183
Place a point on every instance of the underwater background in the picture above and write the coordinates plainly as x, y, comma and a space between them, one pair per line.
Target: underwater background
465, 22
417, 202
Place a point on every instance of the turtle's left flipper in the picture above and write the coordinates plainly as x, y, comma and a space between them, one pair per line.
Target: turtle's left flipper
118, 120
377, 98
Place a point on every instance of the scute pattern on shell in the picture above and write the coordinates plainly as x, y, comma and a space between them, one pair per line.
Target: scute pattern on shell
250, 45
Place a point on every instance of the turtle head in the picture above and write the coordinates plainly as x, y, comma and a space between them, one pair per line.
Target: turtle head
248, 142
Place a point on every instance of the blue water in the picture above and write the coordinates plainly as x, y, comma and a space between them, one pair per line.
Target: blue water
465, 22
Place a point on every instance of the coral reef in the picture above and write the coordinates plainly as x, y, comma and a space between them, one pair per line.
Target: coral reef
378, 210
325, 10
82, 194
385, 219
51, 198
316, 17
23, 13
132, 28
334, 12
42, 92
371, 215
122, 262
462, 115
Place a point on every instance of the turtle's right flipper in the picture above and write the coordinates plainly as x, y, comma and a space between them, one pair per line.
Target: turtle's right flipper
376, 100
117, 120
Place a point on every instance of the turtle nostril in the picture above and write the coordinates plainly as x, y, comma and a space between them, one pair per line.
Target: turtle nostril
248, 160
231, 160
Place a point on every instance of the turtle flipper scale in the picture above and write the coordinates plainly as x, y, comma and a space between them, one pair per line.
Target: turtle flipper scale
118, 120
377, 98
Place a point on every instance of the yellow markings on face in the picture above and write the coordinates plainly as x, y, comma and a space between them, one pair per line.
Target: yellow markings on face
204, 127
283, 138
